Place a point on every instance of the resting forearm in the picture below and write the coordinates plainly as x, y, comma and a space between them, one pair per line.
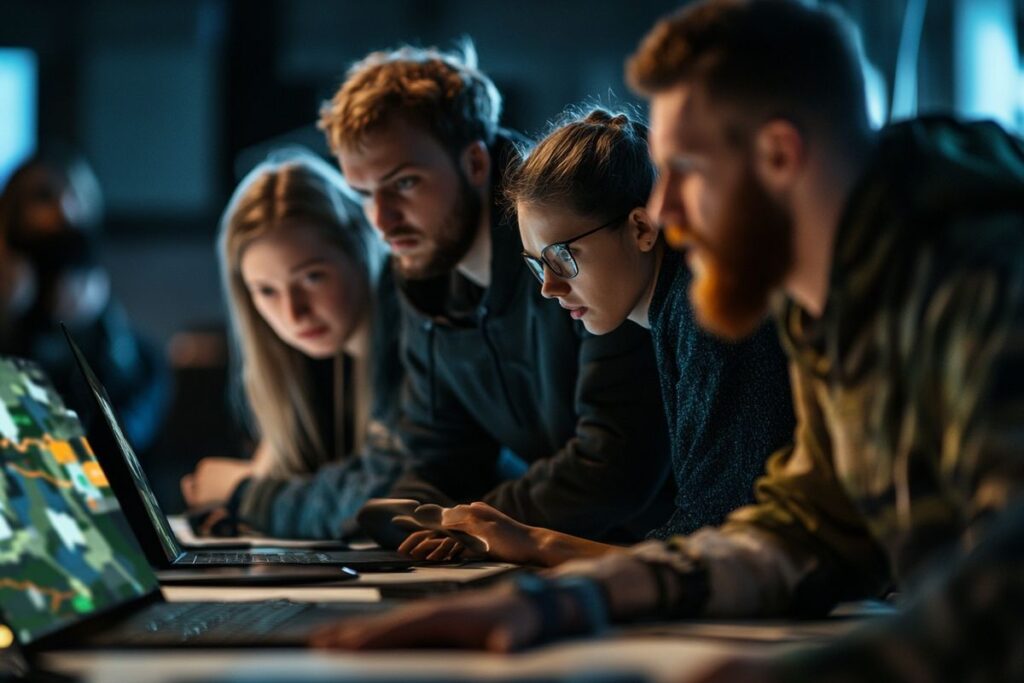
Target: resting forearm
553, 547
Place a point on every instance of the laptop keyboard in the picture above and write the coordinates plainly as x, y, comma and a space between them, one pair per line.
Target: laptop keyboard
208, 622
243, 558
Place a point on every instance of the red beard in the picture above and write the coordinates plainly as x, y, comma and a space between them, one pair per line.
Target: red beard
737, 273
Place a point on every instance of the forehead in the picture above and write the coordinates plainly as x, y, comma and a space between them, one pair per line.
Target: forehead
281, 248
682, 122
541, 225
393, 144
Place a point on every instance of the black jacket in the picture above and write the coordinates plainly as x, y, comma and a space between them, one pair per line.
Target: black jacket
503, 367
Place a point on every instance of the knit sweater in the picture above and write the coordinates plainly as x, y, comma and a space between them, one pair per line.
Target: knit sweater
728, 406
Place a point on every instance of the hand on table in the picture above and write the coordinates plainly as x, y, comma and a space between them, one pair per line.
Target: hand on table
496, 619
473, 530
214, 480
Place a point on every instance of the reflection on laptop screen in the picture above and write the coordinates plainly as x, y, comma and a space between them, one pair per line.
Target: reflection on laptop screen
66, 550
163, 528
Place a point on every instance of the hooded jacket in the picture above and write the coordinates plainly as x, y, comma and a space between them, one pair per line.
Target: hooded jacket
909, 394
503, 368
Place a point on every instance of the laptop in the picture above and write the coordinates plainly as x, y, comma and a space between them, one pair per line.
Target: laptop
72, 574
153, 529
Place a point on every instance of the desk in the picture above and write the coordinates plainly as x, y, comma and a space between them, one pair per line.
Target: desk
659, 659
655, 652
658, 653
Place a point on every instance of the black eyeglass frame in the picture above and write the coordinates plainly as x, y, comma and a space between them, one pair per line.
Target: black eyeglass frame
536, 265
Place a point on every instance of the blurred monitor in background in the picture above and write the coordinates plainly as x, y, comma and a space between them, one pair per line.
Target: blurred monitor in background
19, 82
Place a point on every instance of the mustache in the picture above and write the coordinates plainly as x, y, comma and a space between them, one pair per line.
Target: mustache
681, 238
400, 232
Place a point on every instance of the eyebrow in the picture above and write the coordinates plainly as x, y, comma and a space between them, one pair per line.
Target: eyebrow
384, 178
685, 162
307, 263
395, 171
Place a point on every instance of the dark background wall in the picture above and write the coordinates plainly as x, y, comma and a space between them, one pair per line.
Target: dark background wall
172, 99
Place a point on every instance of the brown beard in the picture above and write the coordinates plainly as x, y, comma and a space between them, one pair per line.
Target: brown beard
453, 239
748, 261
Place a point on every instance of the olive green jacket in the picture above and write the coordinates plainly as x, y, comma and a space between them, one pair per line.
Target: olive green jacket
909, 395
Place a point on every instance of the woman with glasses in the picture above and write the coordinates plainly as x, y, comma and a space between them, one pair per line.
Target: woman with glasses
580, 199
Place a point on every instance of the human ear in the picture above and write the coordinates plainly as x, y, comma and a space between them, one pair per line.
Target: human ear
643, 229
475, 161
778, 156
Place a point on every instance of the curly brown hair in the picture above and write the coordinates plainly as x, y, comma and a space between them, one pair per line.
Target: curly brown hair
442, 93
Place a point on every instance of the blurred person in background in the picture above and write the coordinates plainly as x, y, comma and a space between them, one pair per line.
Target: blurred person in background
51, 211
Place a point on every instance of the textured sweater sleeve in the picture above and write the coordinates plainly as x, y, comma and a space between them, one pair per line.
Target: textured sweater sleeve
323, 505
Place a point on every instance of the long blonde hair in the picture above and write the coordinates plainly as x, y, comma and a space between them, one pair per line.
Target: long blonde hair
275, 376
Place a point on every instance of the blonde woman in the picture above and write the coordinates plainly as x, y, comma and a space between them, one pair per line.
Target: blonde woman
310, 298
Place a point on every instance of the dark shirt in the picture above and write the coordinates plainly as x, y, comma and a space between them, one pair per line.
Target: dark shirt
728, 405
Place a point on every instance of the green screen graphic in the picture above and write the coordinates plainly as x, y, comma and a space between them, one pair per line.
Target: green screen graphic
66, 550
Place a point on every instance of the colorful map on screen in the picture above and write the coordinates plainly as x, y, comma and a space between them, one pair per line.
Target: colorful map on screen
66, 550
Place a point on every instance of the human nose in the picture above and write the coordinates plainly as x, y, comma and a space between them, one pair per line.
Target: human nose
383, 212
552, 286
296, 305
666, 203
671, 205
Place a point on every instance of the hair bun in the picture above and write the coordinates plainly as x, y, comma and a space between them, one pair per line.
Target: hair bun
603, 116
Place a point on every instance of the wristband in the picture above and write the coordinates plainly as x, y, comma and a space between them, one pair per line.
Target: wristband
541, 594
587, 595
591, 600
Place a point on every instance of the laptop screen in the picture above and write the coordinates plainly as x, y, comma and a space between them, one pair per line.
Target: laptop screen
165, 535
66, 550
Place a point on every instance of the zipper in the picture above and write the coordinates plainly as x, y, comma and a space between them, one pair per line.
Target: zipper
482, 314
428, 327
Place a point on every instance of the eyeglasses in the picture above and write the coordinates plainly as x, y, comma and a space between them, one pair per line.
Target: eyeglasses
558, 257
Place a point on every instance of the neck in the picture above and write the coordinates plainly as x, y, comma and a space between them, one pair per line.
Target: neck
818, 209
640, 314
476, 264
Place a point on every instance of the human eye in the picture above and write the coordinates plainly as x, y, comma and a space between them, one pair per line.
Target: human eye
406, 183
313, 277
263, 291
685, 165
563, 253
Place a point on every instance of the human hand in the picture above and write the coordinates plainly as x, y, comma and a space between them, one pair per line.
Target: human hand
476, 529
435, 546
497, 619
214, 480
501, 537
